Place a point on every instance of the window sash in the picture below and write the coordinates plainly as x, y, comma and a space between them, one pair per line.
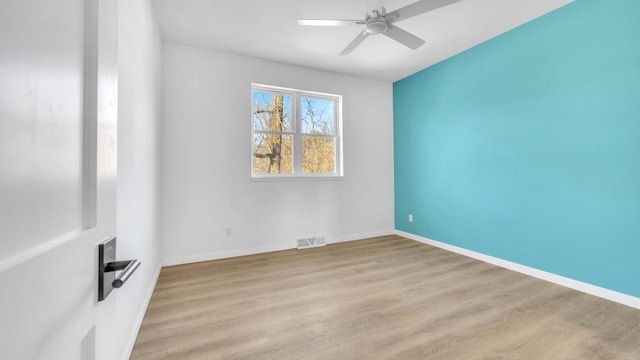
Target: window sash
275, 92
334, 115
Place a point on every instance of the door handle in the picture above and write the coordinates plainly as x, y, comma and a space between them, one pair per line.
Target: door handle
127, 267
107, 267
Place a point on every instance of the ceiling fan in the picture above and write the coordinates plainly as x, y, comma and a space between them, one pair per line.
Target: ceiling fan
378, 21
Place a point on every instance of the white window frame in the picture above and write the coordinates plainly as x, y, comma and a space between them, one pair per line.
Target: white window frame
297, 134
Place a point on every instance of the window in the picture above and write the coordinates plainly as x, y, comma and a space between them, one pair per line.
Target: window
295, 133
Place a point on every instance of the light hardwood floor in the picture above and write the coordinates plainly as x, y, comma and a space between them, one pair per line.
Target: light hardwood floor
381, 298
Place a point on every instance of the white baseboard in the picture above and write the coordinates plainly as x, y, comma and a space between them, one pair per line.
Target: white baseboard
215, 255
361, 236
264, 249
142, 312
615, 296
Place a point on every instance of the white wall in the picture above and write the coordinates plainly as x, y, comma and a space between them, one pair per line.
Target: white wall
206, 183
138, 161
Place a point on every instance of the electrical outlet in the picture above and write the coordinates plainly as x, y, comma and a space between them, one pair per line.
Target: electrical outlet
227, 231
410, 217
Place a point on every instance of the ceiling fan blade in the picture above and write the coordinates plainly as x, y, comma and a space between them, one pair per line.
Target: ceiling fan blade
417, 8
407, 39
354, 44
328, 22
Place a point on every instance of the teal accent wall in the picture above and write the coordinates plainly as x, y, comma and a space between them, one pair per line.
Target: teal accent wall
527, 147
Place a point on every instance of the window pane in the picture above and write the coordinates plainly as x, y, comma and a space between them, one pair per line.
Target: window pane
272, 154
271, 111
318, 154
318, 116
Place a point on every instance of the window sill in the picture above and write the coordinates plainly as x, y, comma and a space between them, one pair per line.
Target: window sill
297, 178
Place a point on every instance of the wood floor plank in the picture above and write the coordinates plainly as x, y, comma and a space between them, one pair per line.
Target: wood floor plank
380, 298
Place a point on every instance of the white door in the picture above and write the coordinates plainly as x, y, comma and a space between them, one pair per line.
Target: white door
58, 117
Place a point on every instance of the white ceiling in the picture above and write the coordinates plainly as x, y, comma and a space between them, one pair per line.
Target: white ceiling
267, 29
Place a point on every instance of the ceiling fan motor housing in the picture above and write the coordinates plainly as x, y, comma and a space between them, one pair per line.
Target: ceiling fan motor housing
376, 26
